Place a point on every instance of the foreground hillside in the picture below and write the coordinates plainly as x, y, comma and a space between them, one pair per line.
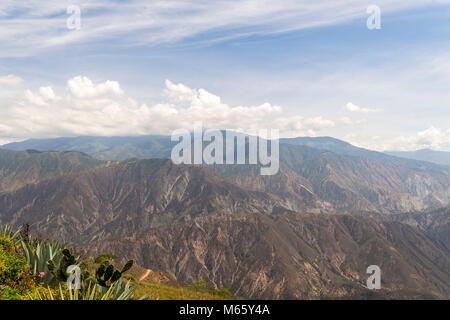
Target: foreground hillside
32, 268
159, 286
293, 256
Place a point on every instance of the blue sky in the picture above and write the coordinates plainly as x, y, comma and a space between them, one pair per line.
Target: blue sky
306, 68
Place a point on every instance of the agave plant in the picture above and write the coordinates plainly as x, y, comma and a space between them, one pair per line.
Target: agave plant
58, 267
50, 260
119, 290
38, 253
6, 231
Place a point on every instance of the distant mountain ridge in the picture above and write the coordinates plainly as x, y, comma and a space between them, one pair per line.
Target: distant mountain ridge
345, 148
159, 146
439, 157
103, 148
20, 168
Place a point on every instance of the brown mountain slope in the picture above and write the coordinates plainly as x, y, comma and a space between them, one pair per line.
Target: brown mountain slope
436, 223
287, 184
293, 256
18, 168
349, 184
320, 178
127, 197
385, 186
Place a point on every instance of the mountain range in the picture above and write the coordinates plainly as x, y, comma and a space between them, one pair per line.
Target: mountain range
439, 157
158, 146
308, 232
334, 172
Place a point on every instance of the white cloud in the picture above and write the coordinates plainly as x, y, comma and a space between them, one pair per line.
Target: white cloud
45, 96
354, 108
89, 108
35, 25
351, 107
47, 93
10, 80
84, 88
431, 138
34, 99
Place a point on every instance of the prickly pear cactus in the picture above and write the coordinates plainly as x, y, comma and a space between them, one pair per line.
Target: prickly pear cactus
107, 275
60, 271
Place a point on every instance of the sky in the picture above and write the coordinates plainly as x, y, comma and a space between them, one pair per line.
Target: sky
307, 68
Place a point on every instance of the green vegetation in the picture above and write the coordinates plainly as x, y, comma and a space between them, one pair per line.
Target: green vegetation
36, 269
202, 286
117, 291
8, 293
15, 275
160, 286
199, 290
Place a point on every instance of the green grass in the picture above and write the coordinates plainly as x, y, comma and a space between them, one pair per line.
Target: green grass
167, 292
160, 286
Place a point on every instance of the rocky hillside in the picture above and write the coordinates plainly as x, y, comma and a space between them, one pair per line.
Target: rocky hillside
293, 256
282, 236
130, 196
364, 184
335, 174
20, 168
352, 184
435, 223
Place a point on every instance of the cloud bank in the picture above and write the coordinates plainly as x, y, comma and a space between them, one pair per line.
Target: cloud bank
88, 108
431, 138
85, 107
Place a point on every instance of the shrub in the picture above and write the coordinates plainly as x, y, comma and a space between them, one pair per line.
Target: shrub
14, 270
39, 293
8, 293
37, 269
6, 244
